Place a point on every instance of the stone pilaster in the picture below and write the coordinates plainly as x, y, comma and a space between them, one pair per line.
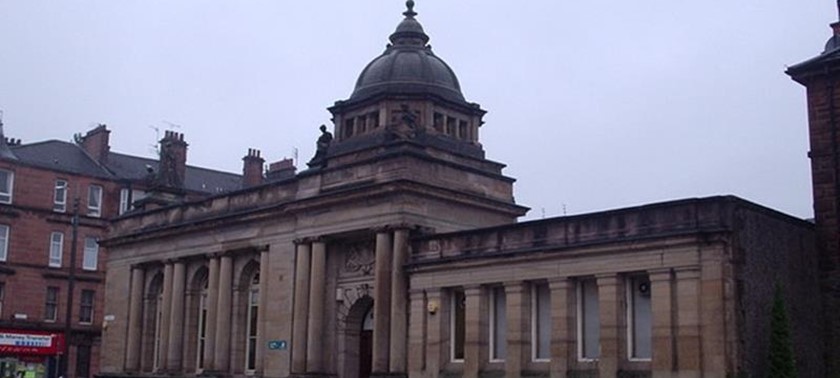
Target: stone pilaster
473, 343
689, 358
135, 320
609, 305
212, 306
165, 316
261, 312
301, 307
399, 295
663, 362
517, 334
563, 332
417, 334
382, 302
223, 313
711, 315
436, 354
176, 318
317, 287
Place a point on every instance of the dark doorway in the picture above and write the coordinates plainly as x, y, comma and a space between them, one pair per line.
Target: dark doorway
366, 345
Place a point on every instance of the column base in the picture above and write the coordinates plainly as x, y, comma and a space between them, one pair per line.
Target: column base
312, 375
212, 374
388, 375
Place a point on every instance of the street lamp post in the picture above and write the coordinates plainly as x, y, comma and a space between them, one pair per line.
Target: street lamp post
71, 283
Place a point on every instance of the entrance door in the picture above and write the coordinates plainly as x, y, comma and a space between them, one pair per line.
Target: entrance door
366, 346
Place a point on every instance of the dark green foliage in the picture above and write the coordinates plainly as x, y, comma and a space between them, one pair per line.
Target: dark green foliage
782, 363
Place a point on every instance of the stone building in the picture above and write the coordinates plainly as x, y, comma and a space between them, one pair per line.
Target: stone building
43, 268
397, 253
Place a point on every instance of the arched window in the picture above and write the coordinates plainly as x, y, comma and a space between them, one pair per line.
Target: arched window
202, 327
251, 329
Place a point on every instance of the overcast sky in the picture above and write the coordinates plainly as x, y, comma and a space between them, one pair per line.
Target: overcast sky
592, 104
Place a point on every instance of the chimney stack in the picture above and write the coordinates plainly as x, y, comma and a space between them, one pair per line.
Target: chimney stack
173, 160
96, 143
281, 170
252, 168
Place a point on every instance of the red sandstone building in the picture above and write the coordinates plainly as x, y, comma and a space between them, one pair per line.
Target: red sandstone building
42, 186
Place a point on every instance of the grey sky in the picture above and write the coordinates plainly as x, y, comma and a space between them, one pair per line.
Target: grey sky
592, 104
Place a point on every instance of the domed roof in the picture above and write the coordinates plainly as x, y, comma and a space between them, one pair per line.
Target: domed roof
408, 66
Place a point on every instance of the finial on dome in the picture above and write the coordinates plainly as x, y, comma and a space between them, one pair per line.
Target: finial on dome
410, 13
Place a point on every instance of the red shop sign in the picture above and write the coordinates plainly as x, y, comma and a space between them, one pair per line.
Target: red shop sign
30, 342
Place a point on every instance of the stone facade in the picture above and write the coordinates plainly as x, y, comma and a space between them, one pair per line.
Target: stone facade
397, 253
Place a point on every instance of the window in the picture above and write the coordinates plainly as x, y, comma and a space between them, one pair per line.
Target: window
95, 201
4, 242
450, 126
541, 322
128, 197
348, 128
457, 325
462, 129
89, 256
86, 307
56, 247
373, 120
437, 121
202, 326
361, 124
498, 324
639, 317
2, 296
253, 310
51, 304
589, 331
7, 181
60, 197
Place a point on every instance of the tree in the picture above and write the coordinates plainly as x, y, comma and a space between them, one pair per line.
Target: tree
782, 362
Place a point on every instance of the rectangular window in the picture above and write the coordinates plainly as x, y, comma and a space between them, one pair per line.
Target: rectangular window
95, 201
348, 128
86, 307
639, 317
7, 183
541, 322
457, 325
361, 124
373, 120
438, 122
83, 361
51, 304
91, 252
498, 324
4, 242
56, 248
462, 129
2, 296
125, 201
60, 196
450, 126
589, 327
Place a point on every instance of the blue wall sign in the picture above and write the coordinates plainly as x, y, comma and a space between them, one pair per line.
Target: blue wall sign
277, 344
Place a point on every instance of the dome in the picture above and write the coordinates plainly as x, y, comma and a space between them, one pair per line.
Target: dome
408, 65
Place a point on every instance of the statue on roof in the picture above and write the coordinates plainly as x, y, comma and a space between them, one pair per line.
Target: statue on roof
321, 147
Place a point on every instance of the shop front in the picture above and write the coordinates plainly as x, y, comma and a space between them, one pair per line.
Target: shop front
29, 353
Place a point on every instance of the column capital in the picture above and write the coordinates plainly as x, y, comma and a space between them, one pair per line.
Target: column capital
559, 283
660, 274
607, 279
685, 273
381, 229
514, 286
471, 290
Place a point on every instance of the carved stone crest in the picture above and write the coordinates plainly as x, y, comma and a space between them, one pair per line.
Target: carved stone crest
359, 260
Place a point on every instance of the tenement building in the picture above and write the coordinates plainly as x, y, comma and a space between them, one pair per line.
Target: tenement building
55, 201
397, 254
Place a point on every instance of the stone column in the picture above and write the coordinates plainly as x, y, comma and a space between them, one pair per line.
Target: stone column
300, 311
399, 296
212, 306
609, 305
417, 333
563, 331
436, 354
711, 316
317, 287
135, 320
223, 312
518, 337
472, 335
166, 312
689, 358
176, 318
382, 302
261, 311
662, 313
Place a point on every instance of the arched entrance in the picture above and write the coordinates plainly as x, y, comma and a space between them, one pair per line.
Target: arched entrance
366, 345
358, 339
